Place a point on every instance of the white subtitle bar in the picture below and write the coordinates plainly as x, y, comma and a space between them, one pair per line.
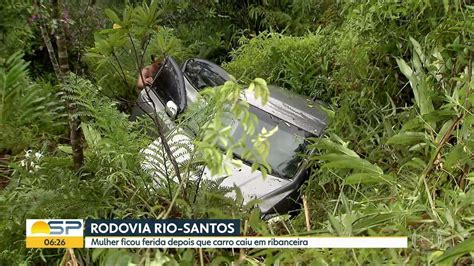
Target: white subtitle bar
246, 242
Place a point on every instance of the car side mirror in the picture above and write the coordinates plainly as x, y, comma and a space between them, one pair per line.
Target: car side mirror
171, 109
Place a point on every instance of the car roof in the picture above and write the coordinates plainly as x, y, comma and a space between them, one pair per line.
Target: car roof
293, 108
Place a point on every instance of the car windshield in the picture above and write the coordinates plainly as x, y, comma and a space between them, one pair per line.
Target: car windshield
286, 144
202, 75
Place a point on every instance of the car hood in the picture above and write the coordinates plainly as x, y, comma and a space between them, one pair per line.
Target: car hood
251, 184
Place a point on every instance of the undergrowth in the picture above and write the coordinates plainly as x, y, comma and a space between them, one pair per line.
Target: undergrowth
396, 160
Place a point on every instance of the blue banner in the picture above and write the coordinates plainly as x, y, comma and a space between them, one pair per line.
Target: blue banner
171, 227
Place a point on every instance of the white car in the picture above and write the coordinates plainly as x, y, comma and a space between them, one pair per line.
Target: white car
297, 117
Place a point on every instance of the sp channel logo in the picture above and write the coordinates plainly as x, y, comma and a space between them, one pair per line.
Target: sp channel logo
54, 233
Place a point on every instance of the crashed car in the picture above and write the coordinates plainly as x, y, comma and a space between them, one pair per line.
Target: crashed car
297, 118
178, 86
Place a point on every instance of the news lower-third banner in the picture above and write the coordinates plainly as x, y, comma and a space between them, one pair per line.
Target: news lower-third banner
210, 233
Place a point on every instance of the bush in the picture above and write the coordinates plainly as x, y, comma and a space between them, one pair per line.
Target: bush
297, 63
29, 110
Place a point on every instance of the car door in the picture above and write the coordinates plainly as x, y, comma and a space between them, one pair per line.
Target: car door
168, 84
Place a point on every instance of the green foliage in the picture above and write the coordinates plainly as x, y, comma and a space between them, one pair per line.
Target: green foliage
215, 134
27, 109
212, 28
397, 158
372, 72
112, 171
15, 31
120, 53
298, 63
113, 143
413, 146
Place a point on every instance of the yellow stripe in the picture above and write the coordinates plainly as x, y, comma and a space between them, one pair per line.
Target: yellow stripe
55, 242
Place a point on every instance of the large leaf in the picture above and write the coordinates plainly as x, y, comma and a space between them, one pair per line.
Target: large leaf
456, 157
112, 15
91, 136
372, 220
330, 145
419, 85
439, 115
407, 138
346, 162
444, 130
423, 96
460, 249
404, 68
336, 225
418, 50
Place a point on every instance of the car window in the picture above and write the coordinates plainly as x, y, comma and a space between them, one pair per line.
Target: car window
168, 85
202, 74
